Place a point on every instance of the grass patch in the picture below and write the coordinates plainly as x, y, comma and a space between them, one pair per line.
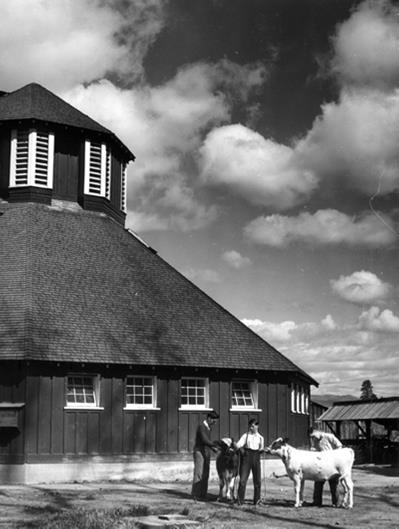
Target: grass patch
89, 519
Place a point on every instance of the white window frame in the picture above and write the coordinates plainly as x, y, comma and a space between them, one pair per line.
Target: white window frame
253, 388
105, 171
96, 392
32, 178
135, 406
203, 407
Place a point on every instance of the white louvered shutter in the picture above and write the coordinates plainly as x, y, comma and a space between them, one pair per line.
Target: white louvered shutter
95, 168
41, 161
108, 174
32, 157
123, 187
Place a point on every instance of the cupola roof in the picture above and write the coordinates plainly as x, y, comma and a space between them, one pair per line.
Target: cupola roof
34, 102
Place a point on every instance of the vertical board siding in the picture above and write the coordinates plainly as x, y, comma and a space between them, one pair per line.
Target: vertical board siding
4, 163
281, 416
224, 409
116, 182
272, 412
106, 419
173, 414
139, 432
69, 432
66, 168
57, 414
81, 431
184, 432
93, 433
49, 428
44, 415
31, 414
12, 389
117, 417
150, 432
162, 440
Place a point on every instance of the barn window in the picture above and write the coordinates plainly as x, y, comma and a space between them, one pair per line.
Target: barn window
83, 391
194, 393
244, 394
299, 399
141, 392
97, 179
31, 158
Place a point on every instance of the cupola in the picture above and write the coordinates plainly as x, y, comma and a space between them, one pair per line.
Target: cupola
49, 151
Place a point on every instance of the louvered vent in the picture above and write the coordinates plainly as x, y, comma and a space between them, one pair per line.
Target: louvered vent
22, 158
108, 175
94, 182
42, 158
123, 188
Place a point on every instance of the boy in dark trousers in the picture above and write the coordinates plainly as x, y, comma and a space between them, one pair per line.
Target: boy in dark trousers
202, 456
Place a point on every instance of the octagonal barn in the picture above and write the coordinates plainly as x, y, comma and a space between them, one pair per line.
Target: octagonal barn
109, 357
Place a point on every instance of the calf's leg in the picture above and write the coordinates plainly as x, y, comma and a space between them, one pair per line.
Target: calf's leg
297, 488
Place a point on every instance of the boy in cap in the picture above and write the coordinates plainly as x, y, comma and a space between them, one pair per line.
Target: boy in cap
252, 444
202, 456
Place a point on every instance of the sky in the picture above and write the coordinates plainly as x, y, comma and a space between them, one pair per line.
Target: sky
267, 141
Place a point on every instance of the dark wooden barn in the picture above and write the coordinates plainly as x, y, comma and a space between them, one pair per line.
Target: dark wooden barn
109, 358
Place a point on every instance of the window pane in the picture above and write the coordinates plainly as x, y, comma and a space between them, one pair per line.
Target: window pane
140, 390
193, 392
242, 394
80, 390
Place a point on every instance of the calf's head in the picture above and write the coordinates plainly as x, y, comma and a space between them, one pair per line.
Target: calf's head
278, 447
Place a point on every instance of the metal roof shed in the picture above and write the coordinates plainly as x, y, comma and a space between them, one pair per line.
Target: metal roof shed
384, 411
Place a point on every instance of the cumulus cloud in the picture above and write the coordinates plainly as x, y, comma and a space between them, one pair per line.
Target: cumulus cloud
206, 275
253, 167
271, 332
325, 227
377, 320
288, 330
62, 42
340, 357
366, 46
235, 259
355, 141
361, 287
164, 125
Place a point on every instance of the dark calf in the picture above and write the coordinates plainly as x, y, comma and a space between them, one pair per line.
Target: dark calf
227, 466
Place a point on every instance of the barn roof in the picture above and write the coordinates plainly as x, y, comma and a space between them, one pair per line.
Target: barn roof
76, 286
34, 102
359, 410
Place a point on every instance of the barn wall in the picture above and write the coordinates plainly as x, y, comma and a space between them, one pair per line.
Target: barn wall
4, 162
53, 432
12, 390
66, 167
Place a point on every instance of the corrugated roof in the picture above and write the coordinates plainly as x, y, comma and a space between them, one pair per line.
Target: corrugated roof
362, 410
33, 101
76, 286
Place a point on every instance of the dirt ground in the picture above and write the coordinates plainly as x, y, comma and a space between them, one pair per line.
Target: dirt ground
376, 503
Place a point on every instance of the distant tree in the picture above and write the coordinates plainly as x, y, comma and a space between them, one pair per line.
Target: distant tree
367, 391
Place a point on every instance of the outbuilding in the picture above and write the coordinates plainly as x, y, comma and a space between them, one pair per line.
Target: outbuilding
109, 357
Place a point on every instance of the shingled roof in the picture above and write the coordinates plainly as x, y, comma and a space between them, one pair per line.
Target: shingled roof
75, 286
33, 101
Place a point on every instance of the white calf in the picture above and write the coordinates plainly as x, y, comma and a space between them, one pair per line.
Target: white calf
316, 466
